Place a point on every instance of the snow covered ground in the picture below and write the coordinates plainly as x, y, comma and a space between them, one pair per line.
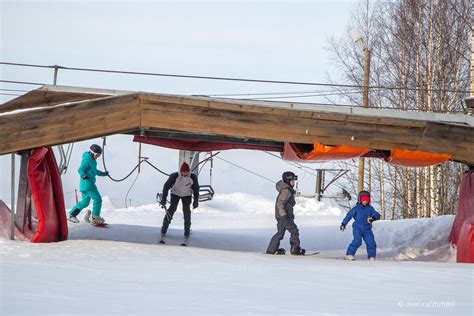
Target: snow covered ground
123, 270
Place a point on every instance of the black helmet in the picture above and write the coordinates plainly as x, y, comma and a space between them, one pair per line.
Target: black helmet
287, 176
363, 193
96, 149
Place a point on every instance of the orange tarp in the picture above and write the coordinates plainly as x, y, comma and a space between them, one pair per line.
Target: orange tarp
411, 158
321, 153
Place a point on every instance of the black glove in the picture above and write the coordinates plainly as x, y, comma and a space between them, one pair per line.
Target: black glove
371, 219
105, 174
163, 203
195, 203
343, 227
84, 177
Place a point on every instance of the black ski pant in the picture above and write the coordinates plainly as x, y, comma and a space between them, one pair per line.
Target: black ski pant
284, 224
186, 202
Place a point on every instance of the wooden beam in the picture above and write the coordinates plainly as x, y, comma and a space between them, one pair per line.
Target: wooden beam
284, 109
39, 98
69, 123
234, 119
294, 126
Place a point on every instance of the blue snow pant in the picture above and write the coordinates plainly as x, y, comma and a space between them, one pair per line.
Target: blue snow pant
369, 240
284, 224
86, 199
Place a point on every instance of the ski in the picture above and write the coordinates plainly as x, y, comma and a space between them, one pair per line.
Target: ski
311, 254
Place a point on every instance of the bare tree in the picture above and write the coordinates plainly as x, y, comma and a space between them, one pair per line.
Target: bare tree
420, 49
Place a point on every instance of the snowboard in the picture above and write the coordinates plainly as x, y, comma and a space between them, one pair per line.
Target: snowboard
184, 243
306, 254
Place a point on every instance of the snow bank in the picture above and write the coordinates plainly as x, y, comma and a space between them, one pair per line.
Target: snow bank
416, 239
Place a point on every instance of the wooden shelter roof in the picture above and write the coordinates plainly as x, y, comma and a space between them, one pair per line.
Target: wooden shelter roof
52, 115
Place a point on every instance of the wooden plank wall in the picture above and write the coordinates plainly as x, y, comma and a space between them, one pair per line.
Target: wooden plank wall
278, 124
69, 123
39, 98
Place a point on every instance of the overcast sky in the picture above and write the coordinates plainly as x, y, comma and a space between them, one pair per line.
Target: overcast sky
275, 40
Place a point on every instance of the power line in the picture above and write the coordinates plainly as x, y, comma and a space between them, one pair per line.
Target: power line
18, 90
250, 171
23, 82
304, 96
13, 94
229, 78
297, 165
269, 93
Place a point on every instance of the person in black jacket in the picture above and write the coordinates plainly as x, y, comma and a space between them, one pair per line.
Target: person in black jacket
285, 216
184, 185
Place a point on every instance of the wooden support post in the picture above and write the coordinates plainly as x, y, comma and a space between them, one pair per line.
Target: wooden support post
13, 202
24, 195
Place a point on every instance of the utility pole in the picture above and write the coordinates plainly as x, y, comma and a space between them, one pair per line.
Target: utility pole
319, 184
365, 103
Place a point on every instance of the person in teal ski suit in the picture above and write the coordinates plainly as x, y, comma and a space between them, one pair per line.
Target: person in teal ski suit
88, 171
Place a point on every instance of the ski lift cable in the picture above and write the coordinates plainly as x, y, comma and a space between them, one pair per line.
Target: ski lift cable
339, 174
276, 93
14, 90
297, 165
250, 171
139, 163
133, 183
24, 82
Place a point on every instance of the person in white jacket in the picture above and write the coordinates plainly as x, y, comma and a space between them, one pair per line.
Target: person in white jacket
184, 186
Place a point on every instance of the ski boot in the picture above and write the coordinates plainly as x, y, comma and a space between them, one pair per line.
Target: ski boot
162, 240
97, 220
349, 257
280, 251
87, 217
73, 219
186, 241
72, 216
297, 251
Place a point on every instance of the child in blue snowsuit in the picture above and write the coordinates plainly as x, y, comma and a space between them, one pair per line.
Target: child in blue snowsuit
363, 214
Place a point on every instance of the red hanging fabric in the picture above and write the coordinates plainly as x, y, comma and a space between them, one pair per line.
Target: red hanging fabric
47, 194
462, 233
